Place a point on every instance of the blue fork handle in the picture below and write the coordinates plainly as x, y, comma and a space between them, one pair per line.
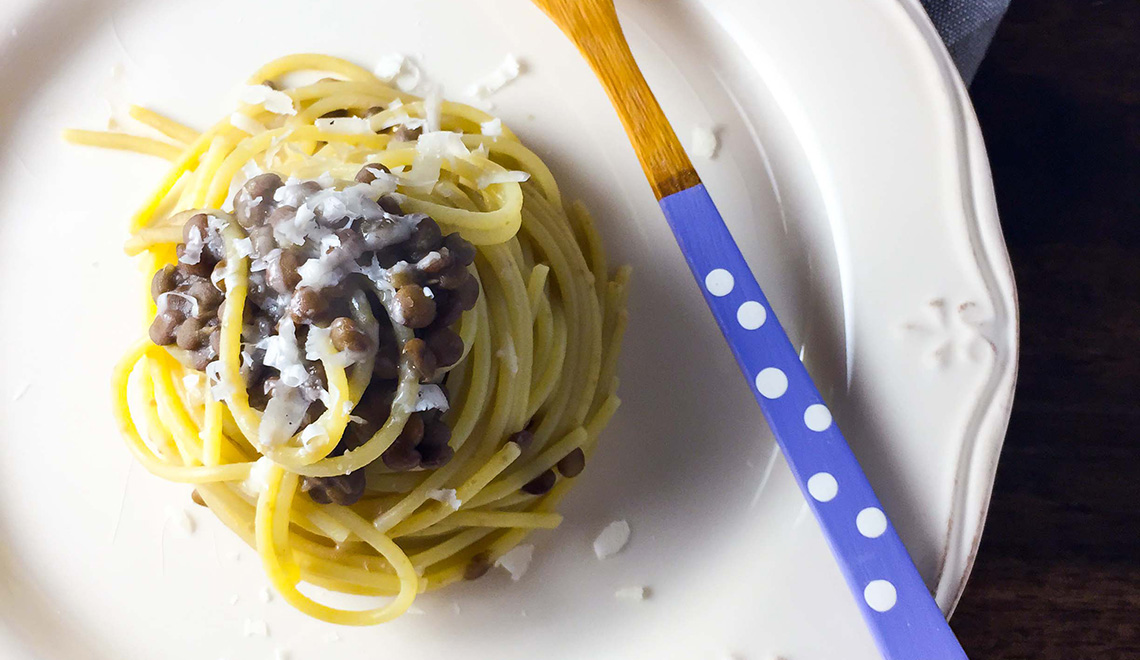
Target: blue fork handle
900, 612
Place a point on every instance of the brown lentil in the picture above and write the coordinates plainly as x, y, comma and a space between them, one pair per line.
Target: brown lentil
165, 325
282, 275
573, 463
402, 455
477, 567
164, 280
255, 199
417, 310
307, 305
423, 360
365, 175
346, 335
344, 489
541, 484
524, 439
445, 344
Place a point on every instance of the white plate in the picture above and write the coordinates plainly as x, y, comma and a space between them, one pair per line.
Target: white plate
851, 170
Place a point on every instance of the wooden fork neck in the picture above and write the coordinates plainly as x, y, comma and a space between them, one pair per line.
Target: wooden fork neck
593, 27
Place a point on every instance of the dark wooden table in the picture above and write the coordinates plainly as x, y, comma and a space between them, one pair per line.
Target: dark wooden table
1058, 575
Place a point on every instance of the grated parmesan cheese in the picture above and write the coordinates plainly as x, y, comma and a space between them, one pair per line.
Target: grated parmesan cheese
400, 70
283, 415
447, 496
255, 628
163, 302
704, 143
219, 388
491, 127
181, 519
430, 397
192, 253
279, 103
636, 594
313, 434
256, 482
283, 354
517, 561
612, 539
345, 125
507, 71
243, 247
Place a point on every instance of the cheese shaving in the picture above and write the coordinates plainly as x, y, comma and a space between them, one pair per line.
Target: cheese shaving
447, 496
430, 397
255, 628
631, 593
507, 71
344, 125
612, 539
517, 561
219, 388
163, 302
282, 417
705, 143
192, 251
279, 103
181, 519
492, 127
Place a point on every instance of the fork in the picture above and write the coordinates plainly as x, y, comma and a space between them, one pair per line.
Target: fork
896, 605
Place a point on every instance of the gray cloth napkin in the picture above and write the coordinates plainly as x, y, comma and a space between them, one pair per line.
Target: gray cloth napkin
967, 27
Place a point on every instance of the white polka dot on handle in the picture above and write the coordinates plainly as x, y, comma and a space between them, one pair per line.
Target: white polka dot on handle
719, 282
772, 383
751, 315
871, 522
817, 417
823, 486
880, 595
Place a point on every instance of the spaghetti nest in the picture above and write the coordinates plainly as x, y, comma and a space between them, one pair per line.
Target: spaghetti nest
358, 442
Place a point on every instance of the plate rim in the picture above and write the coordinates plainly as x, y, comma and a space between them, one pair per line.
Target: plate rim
989, 420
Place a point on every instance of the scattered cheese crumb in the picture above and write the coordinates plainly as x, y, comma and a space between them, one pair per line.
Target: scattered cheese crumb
447, 496
612, 539
388, 66
266, 595
430, 397
455, 607
704, 143
632, 593
497, 79
181, 519
344, 125
331, 637
412, 609
255, 628
517, 561
399, 69
492, 127
279, 103
280, 654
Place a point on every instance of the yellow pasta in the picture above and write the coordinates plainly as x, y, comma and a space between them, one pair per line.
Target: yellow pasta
527, 392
